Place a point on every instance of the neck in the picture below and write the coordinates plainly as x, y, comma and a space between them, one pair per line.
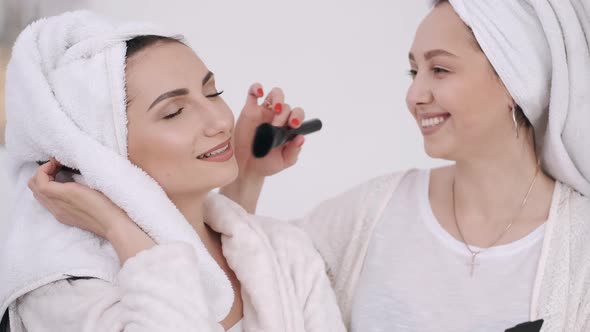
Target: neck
191, 207
493, 186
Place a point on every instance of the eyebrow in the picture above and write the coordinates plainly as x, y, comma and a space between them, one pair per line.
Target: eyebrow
178, 92
432, 53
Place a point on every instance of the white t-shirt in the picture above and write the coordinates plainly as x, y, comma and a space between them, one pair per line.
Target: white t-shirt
236, 328
417, 277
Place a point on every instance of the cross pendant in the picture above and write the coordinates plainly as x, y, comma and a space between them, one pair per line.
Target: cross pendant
473, 264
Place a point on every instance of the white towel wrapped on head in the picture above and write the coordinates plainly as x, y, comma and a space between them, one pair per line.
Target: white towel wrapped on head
65, 97
541, 51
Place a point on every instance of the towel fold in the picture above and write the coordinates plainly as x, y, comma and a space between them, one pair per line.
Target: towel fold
541, 51
65, 97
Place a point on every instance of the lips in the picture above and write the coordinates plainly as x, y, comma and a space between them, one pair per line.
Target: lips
430, 122
216, 150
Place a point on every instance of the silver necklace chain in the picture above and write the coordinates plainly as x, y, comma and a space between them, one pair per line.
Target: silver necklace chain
475, 253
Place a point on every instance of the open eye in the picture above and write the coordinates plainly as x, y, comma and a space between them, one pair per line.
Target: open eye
439, 70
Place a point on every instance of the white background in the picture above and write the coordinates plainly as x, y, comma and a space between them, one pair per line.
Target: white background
345, 62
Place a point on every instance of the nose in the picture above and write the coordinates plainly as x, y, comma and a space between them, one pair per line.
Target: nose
419, 93
218, 119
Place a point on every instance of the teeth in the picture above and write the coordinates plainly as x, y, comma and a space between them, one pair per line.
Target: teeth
213, 153
432, 121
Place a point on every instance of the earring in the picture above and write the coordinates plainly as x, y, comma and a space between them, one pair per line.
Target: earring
514, 120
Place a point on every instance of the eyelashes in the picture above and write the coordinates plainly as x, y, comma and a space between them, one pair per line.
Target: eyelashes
217, 94
179, 111
439, 70
170, 116
436, 70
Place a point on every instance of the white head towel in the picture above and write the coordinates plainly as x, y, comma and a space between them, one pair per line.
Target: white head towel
541, 51
65, 97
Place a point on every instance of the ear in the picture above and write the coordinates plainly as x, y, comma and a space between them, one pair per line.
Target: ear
512, 105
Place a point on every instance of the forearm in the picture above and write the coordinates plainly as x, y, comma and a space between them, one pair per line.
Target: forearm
245, 191
128, 239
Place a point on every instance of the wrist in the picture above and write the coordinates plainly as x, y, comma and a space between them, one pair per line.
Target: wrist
117, 227
245, 191
127, 238
249, 181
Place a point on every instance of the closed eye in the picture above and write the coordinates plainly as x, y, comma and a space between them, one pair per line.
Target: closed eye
217, 94
170, 116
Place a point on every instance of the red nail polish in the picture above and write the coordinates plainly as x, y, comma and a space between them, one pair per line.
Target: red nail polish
260, 92
294, 122
278, 108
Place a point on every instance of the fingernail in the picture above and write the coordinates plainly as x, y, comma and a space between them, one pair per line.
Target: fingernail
278, 108
295, 122
260, 92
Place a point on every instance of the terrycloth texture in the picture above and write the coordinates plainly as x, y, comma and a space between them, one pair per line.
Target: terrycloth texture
66, 98
541, 51
284, 286
341, 229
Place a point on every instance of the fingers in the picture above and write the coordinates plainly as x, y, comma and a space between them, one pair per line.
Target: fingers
274, 101
275, 110
280, 119
292, 149
42, 183
289, 117
254, 93
50, 168
296, 117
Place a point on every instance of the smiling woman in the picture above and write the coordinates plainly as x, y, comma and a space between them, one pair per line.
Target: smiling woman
177, 119
132, 239
499, 237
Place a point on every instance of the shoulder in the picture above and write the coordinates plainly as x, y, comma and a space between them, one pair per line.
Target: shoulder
579, 211
571, 233
362, 196
579, 247
580, 207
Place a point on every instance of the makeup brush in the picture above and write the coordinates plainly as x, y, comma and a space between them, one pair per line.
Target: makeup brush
268, 136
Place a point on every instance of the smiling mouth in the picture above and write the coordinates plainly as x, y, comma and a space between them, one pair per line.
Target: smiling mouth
431, 122
214, 152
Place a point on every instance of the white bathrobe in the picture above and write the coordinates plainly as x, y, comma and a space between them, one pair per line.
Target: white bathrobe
66, 99
341, 229
283, 280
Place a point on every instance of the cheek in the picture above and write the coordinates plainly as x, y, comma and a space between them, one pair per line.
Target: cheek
227, 114
154, 147
470, 103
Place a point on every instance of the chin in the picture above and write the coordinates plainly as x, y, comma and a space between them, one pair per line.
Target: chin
229, 177
225, 175
206, 180
437, 150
